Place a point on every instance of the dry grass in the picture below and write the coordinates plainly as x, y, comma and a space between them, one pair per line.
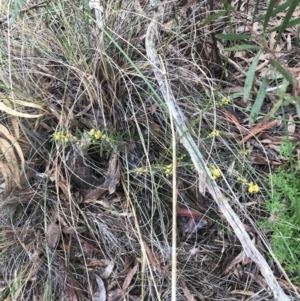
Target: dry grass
94, 205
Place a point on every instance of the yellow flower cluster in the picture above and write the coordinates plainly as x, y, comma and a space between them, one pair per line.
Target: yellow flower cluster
243, 152
168, 169
242, 180
60, 136
97, 134
141, 170
225, 100
215, 133
253, 188
215, 172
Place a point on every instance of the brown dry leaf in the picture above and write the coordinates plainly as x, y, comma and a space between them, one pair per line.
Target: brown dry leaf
291, 125
152, 108
100, 294
11, 161
88, 248
112, 179
73, 289
8, 136
151, 257
272, 42
63, 185
288, 285
13, 119
53, 233
7, 177
12, 112
115, 295
239, 258
20, 102
130, 274
245, 293
106, 267
186, 291
113, 174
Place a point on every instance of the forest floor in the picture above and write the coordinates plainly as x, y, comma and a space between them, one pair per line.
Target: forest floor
149, 151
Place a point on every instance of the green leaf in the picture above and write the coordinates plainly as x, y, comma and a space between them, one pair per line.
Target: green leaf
255, 11
242, 47
275, 11
287, 75
233, 36
214, 17
290, 24
297, 102
287, 17
259, 100
269, 13
16, 10
250, 77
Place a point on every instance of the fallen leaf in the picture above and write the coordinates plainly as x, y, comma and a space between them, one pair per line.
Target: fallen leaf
104, 267
153, 261
73, 289
113, 174
12, 112
115, 295
189, 213
241, 257
186, 291
11, 161
242, 292
53, 233
100, 294
8, 180
291, 125
112, 179
13, 141
129, 277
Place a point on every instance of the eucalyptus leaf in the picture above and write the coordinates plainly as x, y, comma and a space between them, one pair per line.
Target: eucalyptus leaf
286, 74
233, 36
259, 100
242, 47
214, 17
250, 77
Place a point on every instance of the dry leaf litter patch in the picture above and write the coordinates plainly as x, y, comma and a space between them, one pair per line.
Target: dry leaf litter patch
86, 209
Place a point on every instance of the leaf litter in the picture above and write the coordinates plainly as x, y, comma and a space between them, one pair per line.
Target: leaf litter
111, 197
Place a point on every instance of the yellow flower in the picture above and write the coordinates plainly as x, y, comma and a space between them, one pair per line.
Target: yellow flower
243, 152
60, 136
141, 170
64, 138
225, 100
242, 180
168, 169
57, 136
253, 188
97, 134
215, 172
215, 133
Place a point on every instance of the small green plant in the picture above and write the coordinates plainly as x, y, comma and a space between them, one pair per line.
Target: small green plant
284, 220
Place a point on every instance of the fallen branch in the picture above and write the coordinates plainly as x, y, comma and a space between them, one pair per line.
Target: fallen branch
199, 162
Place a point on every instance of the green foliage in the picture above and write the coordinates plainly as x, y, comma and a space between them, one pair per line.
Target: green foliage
284, 207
